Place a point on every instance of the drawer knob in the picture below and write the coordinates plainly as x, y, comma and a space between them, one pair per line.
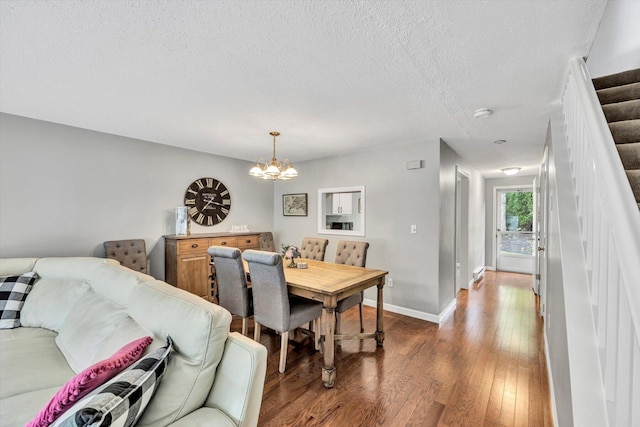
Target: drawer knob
223, 243
247, 241
195, 245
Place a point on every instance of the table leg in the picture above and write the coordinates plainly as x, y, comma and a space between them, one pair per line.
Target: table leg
329, 369
379, 327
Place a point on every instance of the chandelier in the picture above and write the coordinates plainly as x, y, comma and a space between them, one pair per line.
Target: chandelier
275, 170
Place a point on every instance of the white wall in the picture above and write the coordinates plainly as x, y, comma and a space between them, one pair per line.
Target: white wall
65, 190
555, 320
616, 46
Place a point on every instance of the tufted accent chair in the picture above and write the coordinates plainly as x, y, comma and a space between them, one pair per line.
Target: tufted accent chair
266, 242
350, 253
313, 248
130, 253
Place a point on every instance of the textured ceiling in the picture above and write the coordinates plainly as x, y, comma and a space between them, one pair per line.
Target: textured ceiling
332, 77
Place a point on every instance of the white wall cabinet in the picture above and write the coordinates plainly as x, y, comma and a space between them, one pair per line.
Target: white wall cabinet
342, 203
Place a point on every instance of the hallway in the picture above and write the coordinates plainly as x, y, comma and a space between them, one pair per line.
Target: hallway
484, 366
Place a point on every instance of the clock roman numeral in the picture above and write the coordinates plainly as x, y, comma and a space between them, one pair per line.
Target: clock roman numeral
200, 184
224, 193
218, 185
190, 202
219, 219
200, 218
209, 220
189, 190
226, 202
224, 210
193, 211
209, 182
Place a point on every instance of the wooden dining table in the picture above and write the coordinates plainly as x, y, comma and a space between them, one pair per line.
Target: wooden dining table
329, 283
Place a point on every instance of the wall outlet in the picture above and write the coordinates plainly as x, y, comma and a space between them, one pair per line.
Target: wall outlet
414, 228
390, 282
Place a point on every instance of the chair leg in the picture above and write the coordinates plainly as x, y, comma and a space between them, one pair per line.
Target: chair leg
284, 343
245, 326
316, 333
256, 332
361, 325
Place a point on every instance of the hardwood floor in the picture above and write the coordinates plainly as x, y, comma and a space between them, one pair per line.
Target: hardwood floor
484, 366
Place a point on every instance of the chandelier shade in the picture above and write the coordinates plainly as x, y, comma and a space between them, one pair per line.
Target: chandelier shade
273, 170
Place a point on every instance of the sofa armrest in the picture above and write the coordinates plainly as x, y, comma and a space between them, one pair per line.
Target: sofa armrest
237, 389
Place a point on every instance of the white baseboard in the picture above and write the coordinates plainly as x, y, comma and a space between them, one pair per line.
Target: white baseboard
554, 411
490, 267
414, 313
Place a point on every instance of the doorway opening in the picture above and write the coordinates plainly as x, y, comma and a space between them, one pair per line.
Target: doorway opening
514, 229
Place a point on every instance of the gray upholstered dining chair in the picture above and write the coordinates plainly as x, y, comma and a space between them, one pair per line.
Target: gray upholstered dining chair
273, 307
350, 253
130, 253
313, 248
266, 242
233, 293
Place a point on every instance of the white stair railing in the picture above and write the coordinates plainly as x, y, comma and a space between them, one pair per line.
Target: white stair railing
610, 229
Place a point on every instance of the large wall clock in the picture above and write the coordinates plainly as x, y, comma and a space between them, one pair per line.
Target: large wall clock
208, 201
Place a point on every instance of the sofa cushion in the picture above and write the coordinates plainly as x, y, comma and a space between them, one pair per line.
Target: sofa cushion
88, 380
19, 409
126, 331
30, 360
122, 400
165, 310
13, 293
16, 266
90, 323
50, 301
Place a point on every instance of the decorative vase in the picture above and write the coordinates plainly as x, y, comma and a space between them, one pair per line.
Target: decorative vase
292, 264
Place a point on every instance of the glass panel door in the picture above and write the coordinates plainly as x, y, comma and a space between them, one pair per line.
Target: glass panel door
515, 230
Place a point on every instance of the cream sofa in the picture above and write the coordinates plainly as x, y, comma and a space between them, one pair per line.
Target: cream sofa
82, 310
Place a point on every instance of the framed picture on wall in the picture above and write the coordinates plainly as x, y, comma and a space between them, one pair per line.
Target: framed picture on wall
294, 204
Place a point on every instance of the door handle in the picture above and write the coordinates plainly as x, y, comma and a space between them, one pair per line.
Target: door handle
540, 249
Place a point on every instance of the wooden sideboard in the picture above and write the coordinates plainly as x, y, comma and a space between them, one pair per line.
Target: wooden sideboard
187, 264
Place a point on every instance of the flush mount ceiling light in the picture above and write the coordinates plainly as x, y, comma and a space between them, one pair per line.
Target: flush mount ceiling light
482, 113
500, 141
283, 170
510, 171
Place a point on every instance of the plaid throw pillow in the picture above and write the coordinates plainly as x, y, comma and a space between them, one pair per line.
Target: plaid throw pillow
121, 401
13, 292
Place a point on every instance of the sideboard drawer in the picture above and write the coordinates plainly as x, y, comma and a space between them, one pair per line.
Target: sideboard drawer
249, 242
230, 241
193, 246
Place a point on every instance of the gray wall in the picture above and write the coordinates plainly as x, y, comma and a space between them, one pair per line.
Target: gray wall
490, 185
616, 46
449, 160
65, 190
395, 199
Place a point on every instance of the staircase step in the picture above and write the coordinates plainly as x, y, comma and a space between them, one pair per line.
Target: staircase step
630, 155
626, 131
634, 180
627, 110
619, 93
619, 79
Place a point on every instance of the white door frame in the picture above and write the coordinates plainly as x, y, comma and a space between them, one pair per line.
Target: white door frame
496, 189
542, 208
462, 276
